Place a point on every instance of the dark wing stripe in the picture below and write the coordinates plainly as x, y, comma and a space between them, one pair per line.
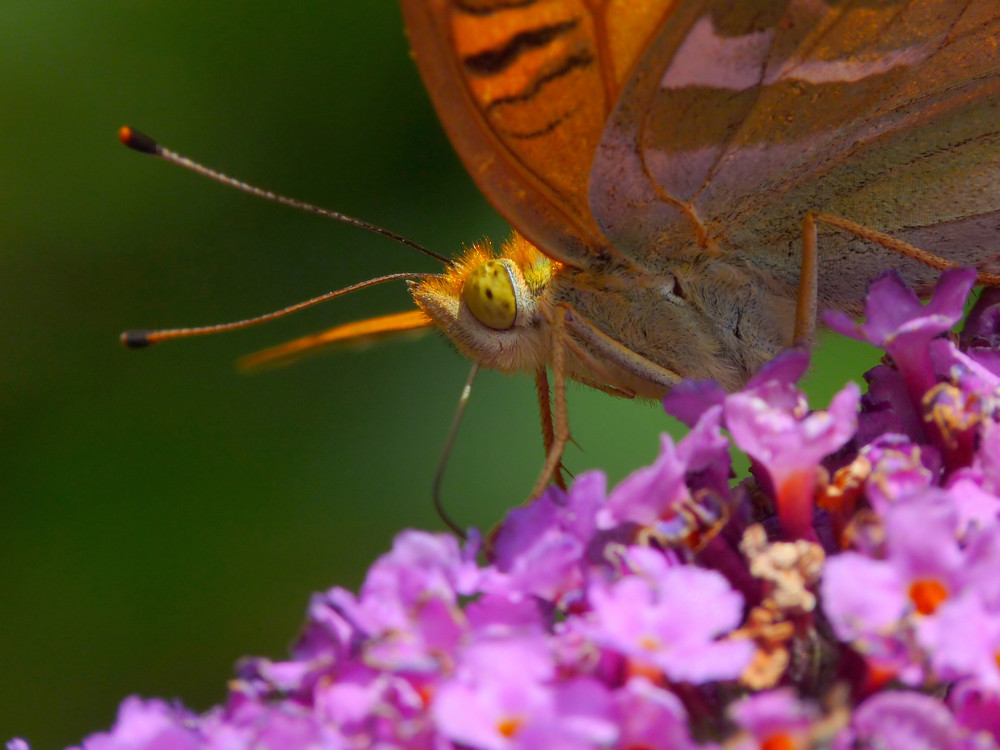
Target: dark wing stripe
542, 131
489, 7
498, 59
581, 59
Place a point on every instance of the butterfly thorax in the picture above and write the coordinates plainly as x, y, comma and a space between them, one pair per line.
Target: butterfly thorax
703, 319
631, 330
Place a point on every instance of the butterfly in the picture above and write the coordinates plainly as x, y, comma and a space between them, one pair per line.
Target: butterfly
667, 167
658, 161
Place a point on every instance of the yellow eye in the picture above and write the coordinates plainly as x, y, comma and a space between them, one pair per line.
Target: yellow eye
489, 293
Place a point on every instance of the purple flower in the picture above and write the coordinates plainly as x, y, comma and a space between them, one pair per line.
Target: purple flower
951, 424
775, 718
539, 549
622, 619
504, 696
899, 720
981, 547
672, 622
486, 708
329, 634
655, 493
887, 408
898, 322
923, 567
976, 709
981, 332
987, 461
649, 717
857, 612
408, 610
662, 482
898, 469
148, 724
282, 726
420, 565
976, 508
967, 373
683, 497
964, 641
772, 423
921, 545
689, 399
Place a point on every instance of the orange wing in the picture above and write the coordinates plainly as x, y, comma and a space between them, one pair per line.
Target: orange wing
524, 89
360, 333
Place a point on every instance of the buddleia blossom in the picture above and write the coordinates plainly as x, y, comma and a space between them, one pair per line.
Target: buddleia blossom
771, 422
843, 595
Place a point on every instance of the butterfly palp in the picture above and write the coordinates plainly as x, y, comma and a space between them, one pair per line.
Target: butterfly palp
489, 293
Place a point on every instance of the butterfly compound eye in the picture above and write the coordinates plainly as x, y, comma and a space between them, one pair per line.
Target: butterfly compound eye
489, 293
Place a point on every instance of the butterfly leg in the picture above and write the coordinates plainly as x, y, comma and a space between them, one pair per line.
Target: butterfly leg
603, 376
545, 410
897, 245
622, 356
559, 420
805, 301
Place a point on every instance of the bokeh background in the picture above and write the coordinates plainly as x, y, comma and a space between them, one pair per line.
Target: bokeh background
163, 515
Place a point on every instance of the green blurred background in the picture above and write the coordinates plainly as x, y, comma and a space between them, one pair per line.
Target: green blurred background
163, 515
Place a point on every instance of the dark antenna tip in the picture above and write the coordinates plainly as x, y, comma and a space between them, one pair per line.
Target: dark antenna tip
137, 339
138, 141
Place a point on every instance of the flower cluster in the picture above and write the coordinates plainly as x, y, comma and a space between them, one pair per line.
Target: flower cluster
844, 595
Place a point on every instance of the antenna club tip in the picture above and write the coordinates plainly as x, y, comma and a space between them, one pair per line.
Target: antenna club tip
138, 141
137, 339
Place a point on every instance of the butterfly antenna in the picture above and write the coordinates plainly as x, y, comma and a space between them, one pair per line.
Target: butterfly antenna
138, 141
452, 432
138, 338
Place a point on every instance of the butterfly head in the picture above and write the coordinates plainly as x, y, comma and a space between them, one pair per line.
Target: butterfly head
488, 304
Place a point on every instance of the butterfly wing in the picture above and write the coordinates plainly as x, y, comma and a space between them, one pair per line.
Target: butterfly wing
747, 117
524, 89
